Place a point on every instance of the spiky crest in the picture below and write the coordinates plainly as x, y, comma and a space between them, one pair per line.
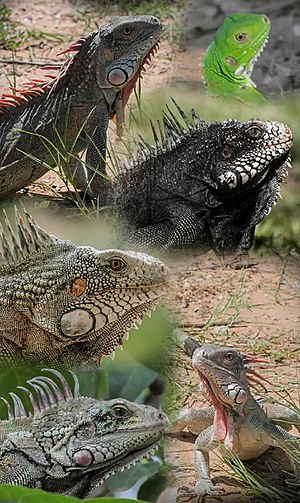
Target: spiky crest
27, 239
168, 133
46, 394
38, 87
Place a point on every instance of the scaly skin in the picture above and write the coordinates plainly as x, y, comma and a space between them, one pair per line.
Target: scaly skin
205, 184
235, 418
71, 444
69, 304
61, 118
229, 60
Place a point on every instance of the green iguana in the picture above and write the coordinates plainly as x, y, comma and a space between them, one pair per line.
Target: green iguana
70, 444
235, 418
69, 304
230, 58
50, 122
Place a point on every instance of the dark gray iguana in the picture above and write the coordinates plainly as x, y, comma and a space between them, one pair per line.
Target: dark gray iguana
235, 418
71, 444
65, 303
72, 111
202, 184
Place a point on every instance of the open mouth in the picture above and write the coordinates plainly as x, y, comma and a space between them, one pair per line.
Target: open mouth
117, 113
278, 167
127, 90
209, 394
247, 70
222, 429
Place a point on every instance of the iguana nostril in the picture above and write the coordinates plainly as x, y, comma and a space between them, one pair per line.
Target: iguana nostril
155, 20
266, 19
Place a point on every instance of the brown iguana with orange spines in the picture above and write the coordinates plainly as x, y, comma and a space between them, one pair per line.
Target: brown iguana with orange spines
49, 123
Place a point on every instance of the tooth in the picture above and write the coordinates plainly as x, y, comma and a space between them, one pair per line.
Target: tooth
240, 70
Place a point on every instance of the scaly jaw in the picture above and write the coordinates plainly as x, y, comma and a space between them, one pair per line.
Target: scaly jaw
145, 309
247, 71
132, 459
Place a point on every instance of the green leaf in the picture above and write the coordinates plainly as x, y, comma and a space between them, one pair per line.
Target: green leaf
153, 487
16, 494
128, 379
124, 480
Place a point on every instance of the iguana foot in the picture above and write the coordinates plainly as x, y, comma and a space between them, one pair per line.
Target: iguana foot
240, 261
205, 486
202, 488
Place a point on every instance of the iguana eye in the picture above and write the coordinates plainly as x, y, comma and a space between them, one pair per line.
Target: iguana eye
254, 132
241, 37
229, 356
227, 152
119, 410
117, 264
127, 31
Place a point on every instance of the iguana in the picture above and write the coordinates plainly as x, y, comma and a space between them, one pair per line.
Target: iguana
205, 184
230, 58
50, 122
66, 303
235, 418
70, 444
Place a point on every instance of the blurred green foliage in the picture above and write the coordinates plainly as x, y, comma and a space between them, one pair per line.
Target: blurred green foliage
22, 495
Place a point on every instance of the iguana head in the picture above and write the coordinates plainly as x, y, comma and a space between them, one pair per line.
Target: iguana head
76, 294
222, 371
117, 54
72, 434
241, 156
108, 61
238, 43
124, 47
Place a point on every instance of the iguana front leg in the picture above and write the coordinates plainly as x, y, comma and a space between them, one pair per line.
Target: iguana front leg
179, 227
194, 420
90, 176
285, 416
276, 436
203, 445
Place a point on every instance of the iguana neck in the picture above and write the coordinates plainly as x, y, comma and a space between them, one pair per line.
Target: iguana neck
220, 82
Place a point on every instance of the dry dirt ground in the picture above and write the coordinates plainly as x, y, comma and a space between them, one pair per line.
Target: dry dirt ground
256, 310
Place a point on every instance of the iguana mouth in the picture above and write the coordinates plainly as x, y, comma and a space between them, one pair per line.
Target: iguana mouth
118, 111
122, 463
223, 422
247, 70
277, 167
127, 90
